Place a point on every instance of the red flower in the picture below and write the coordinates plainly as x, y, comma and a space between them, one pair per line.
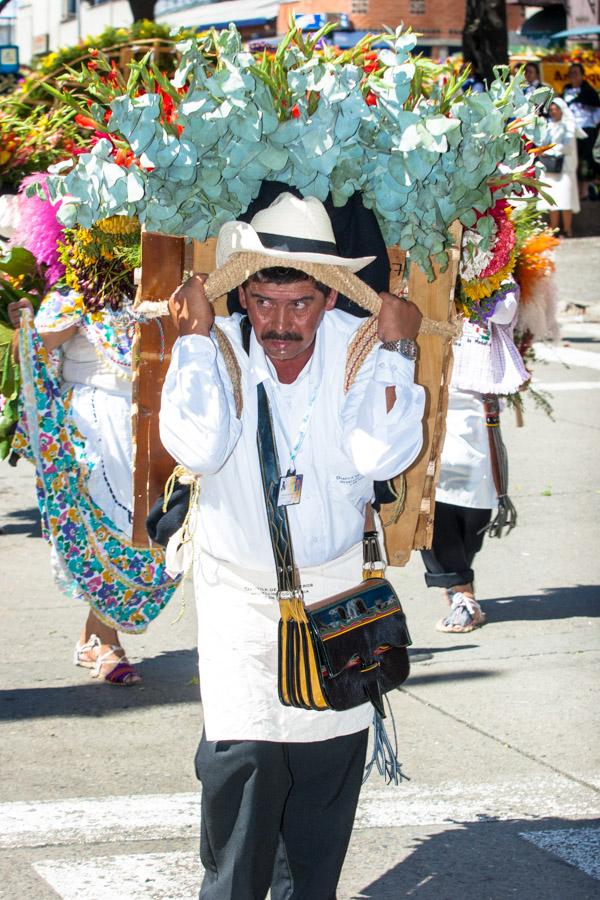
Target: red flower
94, 52
295, 112
167, 104
107, 115
371, 99
113, 76
85, 122
372, 66
92, 66
124, 158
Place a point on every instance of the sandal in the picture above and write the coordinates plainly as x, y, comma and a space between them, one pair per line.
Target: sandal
79, 659
122, 672
465, 615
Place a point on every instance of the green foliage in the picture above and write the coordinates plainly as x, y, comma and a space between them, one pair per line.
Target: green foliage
387, 124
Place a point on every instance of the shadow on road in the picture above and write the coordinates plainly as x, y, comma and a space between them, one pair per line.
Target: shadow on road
23, 521
460, 675
491, 860
169, 678
582, 600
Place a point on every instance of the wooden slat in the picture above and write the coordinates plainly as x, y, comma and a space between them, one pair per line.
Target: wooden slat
204, 261
162, 272
397, 258
435, 299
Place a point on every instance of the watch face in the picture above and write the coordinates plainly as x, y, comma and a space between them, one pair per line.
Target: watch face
408, 348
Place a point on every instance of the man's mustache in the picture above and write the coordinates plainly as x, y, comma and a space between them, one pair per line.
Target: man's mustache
284, 336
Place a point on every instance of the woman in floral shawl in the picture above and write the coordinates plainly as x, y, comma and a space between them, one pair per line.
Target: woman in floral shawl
75, 362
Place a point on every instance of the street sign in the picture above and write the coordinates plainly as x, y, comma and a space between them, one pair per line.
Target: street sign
9, 58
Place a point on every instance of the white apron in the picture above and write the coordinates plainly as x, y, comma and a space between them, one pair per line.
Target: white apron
238, 616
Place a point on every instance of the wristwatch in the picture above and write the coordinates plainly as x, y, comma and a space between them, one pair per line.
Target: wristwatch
406, 347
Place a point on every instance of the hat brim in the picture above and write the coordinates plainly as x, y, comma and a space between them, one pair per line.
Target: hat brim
241, 237
239, 266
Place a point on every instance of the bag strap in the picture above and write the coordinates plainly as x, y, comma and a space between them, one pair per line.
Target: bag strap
288, 577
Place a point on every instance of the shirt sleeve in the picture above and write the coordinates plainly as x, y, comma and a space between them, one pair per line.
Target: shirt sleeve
198, 424
383, 444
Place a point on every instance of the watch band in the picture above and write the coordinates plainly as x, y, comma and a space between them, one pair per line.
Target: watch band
406, 347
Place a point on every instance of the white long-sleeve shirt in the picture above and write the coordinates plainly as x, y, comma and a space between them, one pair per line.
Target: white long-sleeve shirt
350, 441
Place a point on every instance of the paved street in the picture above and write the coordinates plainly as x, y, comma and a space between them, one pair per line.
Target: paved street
498, 729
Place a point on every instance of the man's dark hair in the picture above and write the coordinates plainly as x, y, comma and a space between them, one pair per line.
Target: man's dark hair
533, 65
577, 66
285, 275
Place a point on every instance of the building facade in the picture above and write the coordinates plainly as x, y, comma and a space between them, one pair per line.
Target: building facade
45, 25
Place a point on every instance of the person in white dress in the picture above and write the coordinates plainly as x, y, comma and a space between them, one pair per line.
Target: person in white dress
561, 131
76, 430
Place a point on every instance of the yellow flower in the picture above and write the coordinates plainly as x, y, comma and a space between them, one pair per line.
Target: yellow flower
480, 288
119, 225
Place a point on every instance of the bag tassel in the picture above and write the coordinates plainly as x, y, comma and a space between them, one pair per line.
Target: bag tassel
385, 754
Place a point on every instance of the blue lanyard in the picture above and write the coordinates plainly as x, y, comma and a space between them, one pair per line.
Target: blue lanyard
302, 433
303, 426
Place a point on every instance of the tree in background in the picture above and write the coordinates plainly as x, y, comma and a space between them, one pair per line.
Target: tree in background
485, 39
142, 9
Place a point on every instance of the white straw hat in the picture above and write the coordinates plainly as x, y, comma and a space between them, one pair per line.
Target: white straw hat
289, 229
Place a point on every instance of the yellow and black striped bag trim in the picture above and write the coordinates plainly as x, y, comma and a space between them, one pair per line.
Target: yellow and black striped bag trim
299, 667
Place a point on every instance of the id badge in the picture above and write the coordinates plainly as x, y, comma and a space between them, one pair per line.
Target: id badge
290, 489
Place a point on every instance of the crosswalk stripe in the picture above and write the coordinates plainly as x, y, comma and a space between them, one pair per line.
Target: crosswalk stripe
163, 816
555, 386
579, 847
137, 876
177, 874
570, 356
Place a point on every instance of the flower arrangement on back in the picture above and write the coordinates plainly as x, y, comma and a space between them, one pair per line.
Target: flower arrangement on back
382, 122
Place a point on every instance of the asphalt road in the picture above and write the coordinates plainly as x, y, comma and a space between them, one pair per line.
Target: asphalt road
498, 729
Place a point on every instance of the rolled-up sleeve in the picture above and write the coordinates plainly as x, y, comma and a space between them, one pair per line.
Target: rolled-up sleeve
198, 425
382, 444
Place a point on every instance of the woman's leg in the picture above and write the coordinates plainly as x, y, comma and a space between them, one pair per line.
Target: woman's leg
457, 537
567, 217
447, 563
554, 219
99, 640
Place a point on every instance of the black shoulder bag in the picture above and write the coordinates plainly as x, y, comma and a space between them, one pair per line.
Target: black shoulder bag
344, 650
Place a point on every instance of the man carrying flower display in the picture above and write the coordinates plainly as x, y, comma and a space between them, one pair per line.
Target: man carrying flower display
281, 784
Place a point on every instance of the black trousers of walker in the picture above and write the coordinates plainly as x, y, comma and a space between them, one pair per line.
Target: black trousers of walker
457, 537
277, 815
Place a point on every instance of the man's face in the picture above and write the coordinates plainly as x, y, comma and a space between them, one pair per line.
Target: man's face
285, 317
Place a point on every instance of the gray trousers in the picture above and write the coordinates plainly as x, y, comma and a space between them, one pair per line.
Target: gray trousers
277, 815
